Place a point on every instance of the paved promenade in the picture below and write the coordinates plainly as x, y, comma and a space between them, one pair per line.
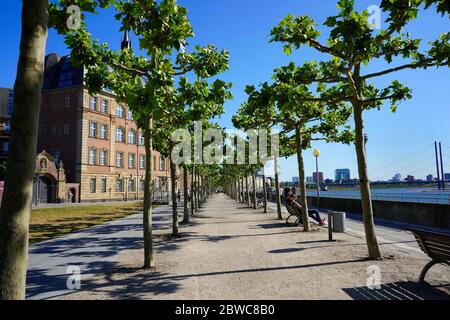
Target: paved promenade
226, 252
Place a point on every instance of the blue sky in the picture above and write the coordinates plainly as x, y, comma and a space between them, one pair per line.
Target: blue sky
400, 142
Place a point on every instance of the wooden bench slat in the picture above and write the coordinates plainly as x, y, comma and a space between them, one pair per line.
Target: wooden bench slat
437, 252
436, 239
437, 245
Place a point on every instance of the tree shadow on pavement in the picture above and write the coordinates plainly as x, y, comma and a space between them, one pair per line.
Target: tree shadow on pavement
273, 226
118, 282
286, 250
404, 290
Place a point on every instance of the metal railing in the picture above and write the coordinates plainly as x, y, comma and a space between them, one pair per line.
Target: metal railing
431, 198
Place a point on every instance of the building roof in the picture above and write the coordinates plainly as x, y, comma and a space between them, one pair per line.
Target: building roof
60, 73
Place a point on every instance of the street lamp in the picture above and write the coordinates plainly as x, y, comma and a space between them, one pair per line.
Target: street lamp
316, 154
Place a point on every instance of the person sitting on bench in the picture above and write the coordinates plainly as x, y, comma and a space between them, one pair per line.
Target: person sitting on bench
285, 194
313, 213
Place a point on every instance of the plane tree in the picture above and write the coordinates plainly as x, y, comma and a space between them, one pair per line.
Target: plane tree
143, 81
277, 105
351, 46
198, 101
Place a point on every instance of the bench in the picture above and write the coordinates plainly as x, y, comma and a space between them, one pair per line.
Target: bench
434, 244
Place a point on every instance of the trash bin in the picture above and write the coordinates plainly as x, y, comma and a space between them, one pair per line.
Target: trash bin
339, 221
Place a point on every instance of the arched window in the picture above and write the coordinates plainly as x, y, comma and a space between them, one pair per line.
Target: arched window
92, 156
120, 111
131, 136
141, 138
119, 135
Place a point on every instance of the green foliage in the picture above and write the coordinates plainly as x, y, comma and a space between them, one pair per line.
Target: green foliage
351, 44
146, 83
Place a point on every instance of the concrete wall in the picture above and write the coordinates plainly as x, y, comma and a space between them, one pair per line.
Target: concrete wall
432, 215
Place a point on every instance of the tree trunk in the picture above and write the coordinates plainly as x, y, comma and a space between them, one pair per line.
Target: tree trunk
173, 187
238, 189
197, 205
248, 191
191, 194
366, 200
277, 189
149, 254
242, 190
255, 206
185, 195
264, 190
301, 174
16, 203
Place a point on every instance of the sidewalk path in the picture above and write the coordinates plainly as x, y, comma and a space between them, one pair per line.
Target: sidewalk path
393, 234
229, 251
92, 250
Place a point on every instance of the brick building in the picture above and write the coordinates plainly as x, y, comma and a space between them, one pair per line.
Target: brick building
95, 138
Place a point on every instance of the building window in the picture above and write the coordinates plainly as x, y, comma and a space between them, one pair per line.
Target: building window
119, 160
103, 157
130, 115
10, 102
141, 185
67, 102
131, 185
141, 139
93, 185
53, 130
66, 129
162, 164
154, 163
5, 146
119, 185
7, 126
105, 106
66, 78
131, 137
119, 134
93, 104
141, 161
131, 160
103, 185
92, 156
93, 129
104, 131
120, 112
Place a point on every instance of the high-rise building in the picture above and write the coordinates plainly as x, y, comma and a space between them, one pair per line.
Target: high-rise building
6, 107
342, 175
447, 176
309, 180
410, 178
318, 174
430, 178
295, 179
397, 177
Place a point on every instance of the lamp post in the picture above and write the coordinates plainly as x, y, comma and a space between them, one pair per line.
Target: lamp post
316, 154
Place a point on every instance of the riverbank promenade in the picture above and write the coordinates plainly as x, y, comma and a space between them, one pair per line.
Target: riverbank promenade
228, 251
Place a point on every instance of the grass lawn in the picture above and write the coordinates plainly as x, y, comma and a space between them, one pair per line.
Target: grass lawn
51, 223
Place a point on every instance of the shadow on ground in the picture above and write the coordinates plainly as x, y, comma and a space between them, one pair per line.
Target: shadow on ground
405, 290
